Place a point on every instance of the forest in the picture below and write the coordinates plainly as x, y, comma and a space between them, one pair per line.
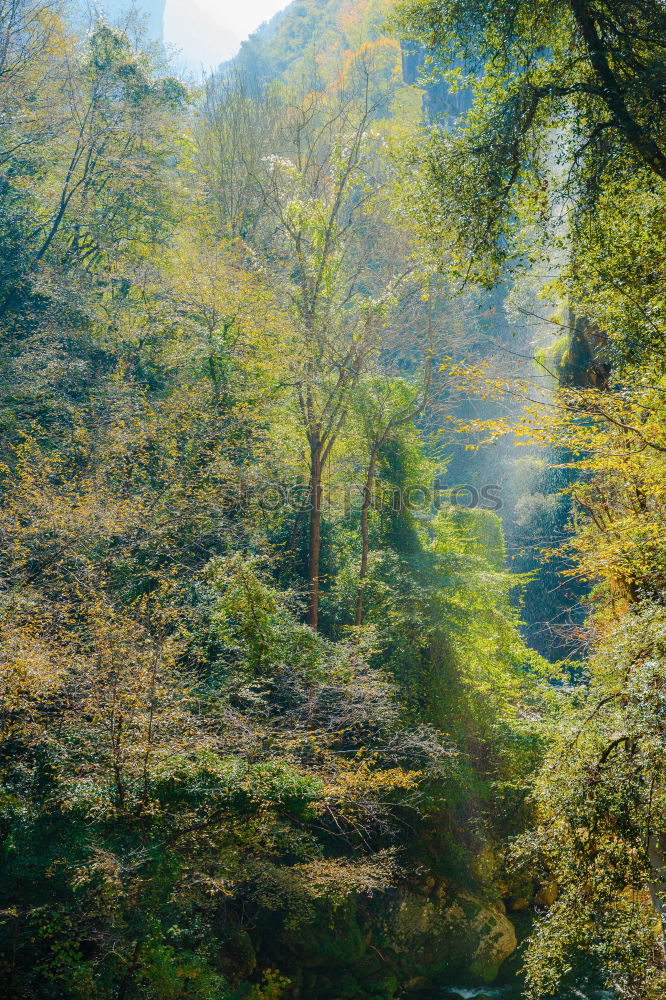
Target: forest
332, 505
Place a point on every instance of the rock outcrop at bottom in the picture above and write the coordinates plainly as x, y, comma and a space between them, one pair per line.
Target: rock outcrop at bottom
410, 942
440, 939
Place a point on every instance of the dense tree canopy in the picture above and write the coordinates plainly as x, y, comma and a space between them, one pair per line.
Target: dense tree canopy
269, 725
208, 751
559, 166
565, 91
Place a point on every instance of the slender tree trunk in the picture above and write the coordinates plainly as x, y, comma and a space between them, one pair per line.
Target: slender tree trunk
315, 533
657, 854
128, 978
365, 534
395, 422
614, 91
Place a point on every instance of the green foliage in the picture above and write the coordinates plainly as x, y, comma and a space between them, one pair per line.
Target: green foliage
560, 162
571, 84
194, 781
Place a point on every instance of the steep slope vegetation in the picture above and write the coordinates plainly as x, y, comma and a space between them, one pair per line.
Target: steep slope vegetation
267, 717
310, 41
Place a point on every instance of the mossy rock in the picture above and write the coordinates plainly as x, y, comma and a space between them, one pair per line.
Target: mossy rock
333, 940
346, 987
419, 984
440, 939
496, 942
308, 982
385, 989
238, 960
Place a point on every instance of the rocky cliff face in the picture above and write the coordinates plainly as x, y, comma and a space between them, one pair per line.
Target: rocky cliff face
439, 102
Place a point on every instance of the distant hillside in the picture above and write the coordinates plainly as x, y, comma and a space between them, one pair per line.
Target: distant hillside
328, 34
329, 29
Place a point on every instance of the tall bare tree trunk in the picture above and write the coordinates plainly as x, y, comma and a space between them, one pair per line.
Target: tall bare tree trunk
128, 978
401, 418
365, 534
657, 855
315, 533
